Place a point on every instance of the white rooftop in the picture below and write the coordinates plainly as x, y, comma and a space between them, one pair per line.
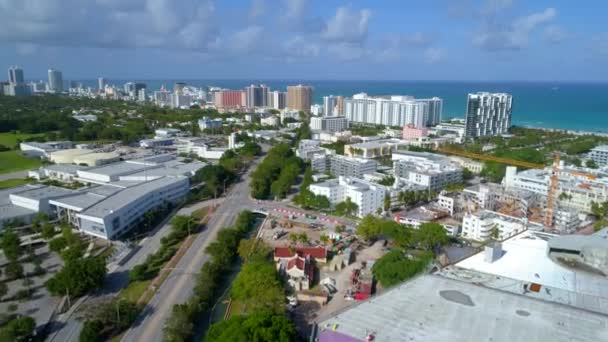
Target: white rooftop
434, 308
525, 258
126, 196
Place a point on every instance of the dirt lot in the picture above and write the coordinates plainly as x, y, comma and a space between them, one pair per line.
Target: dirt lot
307, 312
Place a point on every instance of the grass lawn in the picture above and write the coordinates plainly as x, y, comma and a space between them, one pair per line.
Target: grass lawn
11, 161
10, 183
199, 214
134, 291
9, 139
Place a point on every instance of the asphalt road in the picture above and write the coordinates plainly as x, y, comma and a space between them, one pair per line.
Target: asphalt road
68, 325
13, 175
178, 287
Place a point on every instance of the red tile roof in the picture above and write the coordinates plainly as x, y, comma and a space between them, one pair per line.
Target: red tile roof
314, 252
297, 262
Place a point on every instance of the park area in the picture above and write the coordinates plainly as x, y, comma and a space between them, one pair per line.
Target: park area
11, 161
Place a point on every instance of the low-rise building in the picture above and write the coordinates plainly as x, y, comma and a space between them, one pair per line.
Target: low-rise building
374, 148
207, 123
430, 170
329, 123
153, 143
411, 132
368, 196
485, 225
119, 213
63, 173
271, 120
578, 188
97, 159
43, 150
466, 163
599, 155
162, 133
339, 165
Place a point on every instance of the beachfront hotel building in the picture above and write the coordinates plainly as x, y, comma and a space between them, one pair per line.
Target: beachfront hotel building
393, 110
299, 97
229, 99
488, 114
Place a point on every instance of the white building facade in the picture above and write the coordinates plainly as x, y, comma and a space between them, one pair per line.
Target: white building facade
393, 110
488, 114
366, 195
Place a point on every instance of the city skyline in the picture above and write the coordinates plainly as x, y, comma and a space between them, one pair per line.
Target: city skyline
498, 40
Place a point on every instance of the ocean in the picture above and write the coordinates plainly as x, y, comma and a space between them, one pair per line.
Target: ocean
575, 106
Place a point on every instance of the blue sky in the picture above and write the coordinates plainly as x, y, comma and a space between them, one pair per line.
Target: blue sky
300, 39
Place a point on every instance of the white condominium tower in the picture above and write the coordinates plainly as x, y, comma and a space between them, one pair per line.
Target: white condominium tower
393, 110
488, 114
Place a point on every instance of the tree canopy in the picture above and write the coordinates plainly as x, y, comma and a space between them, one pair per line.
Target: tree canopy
258, 286
78, 276
261, 326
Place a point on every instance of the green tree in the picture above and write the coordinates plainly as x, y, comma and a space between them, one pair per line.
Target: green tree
261, 326
293, 237
324, 239
58, 244
3, 289
78, 277
591, 164
431, 235
48, 231
368, 228
302, 238
394, 267
11, 244
347, 208
14, 270
258, 287
18, 329
467, 174
179, 326
91, 331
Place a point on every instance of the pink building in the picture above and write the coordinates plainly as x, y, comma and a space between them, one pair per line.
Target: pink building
229, 99
411, 132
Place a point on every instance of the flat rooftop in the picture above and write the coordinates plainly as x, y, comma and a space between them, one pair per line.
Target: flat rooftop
45, 192
5, 193
434, 308
525, 258
119, 169
126, 196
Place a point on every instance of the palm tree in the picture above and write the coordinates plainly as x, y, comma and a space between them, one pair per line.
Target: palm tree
303, 238
293, 237
324, 239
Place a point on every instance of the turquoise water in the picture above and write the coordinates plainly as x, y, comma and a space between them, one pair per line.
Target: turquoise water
579, 106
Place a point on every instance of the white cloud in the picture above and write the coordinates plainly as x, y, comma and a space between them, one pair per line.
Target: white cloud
347, 26
555, 34
433, 55
246, 40
184, 24
298, 46
347, 51
514, 36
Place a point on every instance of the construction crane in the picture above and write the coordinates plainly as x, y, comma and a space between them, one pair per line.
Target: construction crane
553, 183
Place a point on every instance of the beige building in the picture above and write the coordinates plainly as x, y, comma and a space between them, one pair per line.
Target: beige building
299, 97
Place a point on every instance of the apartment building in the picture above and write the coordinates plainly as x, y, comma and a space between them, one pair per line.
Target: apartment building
329, 123
393, 110
488, 114
366, 195
430, 170
485, 225
599, 155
